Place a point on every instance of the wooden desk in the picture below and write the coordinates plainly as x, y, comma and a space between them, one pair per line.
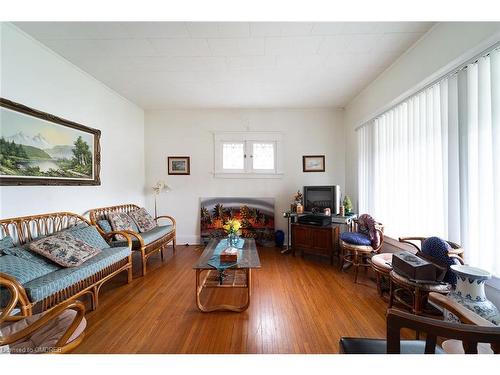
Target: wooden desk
311, 239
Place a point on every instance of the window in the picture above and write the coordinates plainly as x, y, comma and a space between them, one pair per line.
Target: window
431, 166
248, 154
233, 156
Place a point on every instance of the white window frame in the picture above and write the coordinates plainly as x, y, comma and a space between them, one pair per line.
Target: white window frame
248, 138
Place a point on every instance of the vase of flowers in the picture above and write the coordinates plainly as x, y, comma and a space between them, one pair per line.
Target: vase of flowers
232, 228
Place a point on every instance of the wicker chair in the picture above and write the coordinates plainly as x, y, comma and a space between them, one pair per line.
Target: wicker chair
359, 255
455, 251
146, 249
58, 330
471, 330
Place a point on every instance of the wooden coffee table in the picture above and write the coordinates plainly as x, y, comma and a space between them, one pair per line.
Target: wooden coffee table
238, 276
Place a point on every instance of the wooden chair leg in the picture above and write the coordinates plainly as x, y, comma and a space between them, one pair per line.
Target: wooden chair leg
417, 303
173, 245
356, 266
379, 283
144, 260
129, 275
341, 258
161, 253
391, 293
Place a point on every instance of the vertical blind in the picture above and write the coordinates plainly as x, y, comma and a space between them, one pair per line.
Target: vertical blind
430, 166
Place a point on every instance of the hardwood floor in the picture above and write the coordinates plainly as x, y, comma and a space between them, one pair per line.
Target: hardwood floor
299, 305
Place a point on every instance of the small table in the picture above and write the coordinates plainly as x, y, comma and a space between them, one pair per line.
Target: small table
238, 276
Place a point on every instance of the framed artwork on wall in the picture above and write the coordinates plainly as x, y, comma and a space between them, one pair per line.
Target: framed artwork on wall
313, 163
37, 148
179, 165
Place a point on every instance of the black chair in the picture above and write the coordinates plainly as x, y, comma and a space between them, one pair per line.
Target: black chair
471, 330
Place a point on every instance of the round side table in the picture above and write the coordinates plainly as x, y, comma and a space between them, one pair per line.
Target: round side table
382, 266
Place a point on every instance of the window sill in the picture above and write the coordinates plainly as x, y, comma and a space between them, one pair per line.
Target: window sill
248, 175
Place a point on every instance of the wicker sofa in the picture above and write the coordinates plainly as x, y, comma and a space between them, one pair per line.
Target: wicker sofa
147, 243
38, 284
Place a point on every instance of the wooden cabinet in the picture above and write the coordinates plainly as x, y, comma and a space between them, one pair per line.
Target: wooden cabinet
316, 240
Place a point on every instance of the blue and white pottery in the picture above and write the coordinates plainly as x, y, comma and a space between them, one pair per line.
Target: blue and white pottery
469, 292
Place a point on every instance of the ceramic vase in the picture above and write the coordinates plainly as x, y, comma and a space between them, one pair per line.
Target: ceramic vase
469, 292
232, 239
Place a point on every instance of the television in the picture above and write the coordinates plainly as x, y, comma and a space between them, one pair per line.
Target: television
317, 198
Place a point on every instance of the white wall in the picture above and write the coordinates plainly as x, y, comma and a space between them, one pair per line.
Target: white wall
33, 75
189, 133
445, 46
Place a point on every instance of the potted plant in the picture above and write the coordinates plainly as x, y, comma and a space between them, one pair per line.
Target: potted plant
347, 205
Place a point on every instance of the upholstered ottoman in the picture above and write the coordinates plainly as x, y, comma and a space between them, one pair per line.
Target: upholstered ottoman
382, 266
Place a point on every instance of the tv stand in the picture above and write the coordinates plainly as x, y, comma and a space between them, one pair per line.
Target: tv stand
317, 240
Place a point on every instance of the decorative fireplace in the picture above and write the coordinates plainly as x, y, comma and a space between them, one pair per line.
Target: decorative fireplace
317, 198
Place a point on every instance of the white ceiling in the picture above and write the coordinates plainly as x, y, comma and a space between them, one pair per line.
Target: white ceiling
231, 64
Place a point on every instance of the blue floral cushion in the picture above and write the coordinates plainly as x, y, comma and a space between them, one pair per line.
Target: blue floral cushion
438, 248
105, 225
91, 236
355, 238
5, 244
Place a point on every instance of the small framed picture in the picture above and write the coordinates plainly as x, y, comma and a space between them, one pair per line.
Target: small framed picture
178, 165
313, 163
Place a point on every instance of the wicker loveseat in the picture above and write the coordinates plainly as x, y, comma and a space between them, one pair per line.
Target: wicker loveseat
148, 243
39, 284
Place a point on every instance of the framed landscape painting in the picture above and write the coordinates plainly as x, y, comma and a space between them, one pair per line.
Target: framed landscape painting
313, 163
37, 148
179, 165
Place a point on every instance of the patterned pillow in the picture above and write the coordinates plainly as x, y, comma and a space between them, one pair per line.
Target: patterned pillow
120, 221
143, 219
64, 249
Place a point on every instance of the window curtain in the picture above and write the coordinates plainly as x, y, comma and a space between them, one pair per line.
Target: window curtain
431, 165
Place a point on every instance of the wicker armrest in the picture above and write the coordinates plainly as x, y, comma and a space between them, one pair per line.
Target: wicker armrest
18, 298
166, 217
125, 233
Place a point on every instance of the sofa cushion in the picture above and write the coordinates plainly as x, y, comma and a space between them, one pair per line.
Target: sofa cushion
143, 219
24, 252
121, 221
90, 236
5, 244
148, 237
105, 225
64, 249
21, 269
48, 284
355, 238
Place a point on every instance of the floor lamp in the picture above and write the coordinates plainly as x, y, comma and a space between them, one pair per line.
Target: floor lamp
158, 188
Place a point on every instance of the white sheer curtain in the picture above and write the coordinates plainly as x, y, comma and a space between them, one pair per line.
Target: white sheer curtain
474, 107
401, 167
431, 165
